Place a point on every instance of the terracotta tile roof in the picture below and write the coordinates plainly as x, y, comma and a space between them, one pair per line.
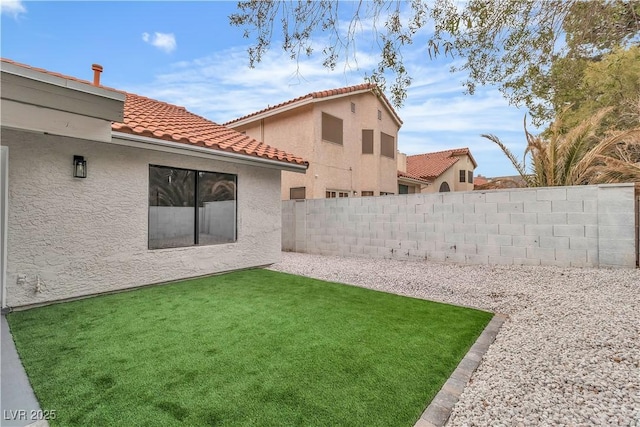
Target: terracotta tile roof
411, 176
480, 180
325, 94
155, 119
432, 165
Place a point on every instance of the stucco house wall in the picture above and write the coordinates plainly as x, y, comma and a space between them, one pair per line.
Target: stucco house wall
294, 129
71, 237
332, 166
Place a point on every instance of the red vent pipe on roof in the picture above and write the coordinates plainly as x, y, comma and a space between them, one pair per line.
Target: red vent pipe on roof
97, 69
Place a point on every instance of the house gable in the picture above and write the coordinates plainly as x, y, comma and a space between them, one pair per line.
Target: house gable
443, 169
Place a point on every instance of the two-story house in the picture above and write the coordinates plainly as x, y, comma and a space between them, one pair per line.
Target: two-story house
349, 135
442, 171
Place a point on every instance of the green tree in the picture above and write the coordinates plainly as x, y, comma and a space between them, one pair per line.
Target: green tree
613, 81
508, 43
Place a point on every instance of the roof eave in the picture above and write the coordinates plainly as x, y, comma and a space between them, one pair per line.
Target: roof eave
123, 138
306, 101
414, 180
270, 112
32, 74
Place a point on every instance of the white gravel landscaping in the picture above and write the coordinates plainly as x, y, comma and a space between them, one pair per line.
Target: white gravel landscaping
568, 354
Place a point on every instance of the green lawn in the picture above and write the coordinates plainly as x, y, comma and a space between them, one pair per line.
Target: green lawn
253, 347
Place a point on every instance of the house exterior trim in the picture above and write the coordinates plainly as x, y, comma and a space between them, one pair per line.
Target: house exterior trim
121, 138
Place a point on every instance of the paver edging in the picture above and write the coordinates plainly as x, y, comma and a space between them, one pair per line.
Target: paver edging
439, 410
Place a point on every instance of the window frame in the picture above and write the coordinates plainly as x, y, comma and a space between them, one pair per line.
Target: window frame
196, 202
325, 133
291, 190
336, 194
372, 142
387, 137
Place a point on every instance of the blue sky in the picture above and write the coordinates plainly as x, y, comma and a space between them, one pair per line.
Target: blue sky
186, 53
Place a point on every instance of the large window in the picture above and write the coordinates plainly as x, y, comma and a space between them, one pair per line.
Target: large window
387, 145
174, 220
367, 141
331, 128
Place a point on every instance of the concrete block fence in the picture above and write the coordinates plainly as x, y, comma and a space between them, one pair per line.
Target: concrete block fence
581, 226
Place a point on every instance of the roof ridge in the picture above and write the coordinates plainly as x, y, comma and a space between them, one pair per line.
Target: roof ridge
162, 102
451, 150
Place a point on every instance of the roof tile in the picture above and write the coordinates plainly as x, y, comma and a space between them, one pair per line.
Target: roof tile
432, 165
402, 174
156, 119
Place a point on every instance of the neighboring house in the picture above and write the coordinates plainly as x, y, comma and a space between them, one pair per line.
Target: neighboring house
407, 182
442, 171
349, 135
100, 188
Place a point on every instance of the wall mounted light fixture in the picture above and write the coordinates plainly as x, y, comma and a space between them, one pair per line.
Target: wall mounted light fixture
79, 167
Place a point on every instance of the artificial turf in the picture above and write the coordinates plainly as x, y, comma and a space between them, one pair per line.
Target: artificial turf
253, 347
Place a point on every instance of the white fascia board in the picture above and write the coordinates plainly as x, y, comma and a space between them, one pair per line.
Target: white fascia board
126, 139
413, 181
31, 74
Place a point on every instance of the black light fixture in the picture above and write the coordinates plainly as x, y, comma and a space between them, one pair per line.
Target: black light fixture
79, 167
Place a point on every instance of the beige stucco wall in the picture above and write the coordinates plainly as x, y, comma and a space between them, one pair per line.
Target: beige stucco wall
86, 236
333, 166
452, 177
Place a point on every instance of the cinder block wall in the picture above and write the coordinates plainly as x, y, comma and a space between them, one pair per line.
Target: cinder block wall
583, 226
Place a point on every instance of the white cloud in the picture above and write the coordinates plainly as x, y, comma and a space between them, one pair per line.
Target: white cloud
12, 7
163, 41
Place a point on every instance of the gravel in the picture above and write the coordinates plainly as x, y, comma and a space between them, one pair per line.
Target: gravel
568, 354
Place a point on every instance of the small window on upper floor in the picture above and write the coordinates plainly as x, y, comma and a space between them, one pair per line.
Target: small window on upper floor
367, 141
353, 107
331, 128
463, 176
379, 115
470, 177
387, 145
